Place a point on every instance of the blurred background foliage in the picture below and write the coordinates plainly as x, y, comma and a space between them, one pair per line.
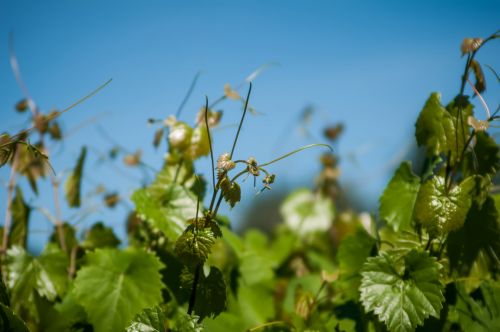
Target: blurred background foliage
368, 66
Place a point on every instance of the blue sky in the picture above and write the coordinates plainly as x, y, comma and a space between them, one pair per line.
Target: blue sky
370, 65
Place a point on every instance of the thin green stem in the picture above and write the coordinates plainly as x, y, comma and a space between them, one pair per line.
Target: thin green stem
241, 121
294, 152
210, 142
261, 326
188, 94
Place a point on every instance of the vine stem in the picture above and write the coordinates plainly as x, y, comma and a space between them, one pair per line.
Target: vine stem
8, 212
261, 326
192, 297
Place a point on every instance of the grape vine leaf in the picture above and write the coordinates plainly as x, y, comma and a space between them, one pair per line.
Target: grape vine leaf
440, 210
9, 321
113, 286
166, 207
398, 199
353, 252
20, 217
74, 182
480, 313
436, 128
149, 320
485, 160
194, 246
402, 293
480, 234
47, 273
100, 236
211, 296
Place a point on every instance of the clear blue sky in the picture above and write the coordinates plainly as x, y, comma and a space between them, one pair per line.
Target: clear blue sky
370, 65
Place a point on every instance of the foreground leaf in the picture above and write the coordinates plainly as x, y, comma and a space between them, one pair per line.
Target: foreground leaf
402, 294
193, 246
211, 294
398, 199
113, 286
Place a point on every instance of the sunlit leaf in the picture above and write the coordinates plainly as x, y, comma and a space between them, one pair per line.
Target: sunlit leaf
74, 181
398, 199
402, 294
443, 130
46, 274
166, 207
113, 286
441, 210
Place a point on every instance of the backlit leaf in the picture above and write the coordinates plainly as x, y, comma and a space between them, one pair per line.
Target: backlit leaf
20, 217
442, 211
398, 199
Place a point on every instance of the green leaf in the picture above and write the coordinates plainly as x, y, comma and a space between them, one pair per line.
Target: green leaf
305, 212
230, 191
436, 127
69, 236
149, 320
398, 199
20, 217
113, 286
194, 245
100, 236
485, 160
74, 182
199, 145
480, 236
166, 207
402, 293
353, 252
211, 294
9, 322
441, 211
480, 313
47, 274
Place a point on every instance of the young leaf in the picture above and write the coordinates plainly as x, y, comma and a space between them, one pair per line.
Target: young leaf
230, 191
113, 286
150, 320
486, 157
436, 127
442, 211
100, 236
305, 212
47, 274
20, 216
398, 199
74, 182
166, 207
402, 294
193, 246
